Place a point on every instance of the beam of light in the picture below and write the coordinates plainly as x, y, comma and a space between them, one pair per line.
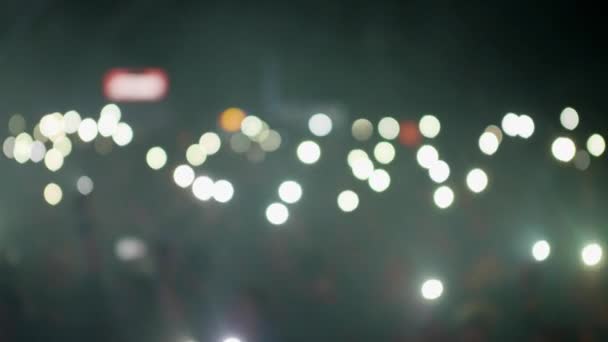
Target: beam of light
596, 145
488, 143
223, 191
563, 149
309, 152
384, 152
183, 175
426, 156
541, 250
510, 124
348, 201
320, 124
443, 197
569, 118
290, 191
277, 213
84, 185
379, 180
156, 158
592, 254
52, 194
195, 155
388, 128
362, 129
203, 188
431, 289
429, 126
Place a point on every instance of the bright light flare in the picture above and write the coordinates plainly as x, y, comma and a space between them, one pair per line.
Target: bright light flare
379, 180
384, 152
429, 126
431, 289
183, 175
210, 142
52, 194
309, 152
362, 168
541, 250
525, 126
123, 134
477, 180
130, 248
87, 130
277, 213
320, 124
443, 197
53, 160
439, 172
203, 188
251, 126
510, 124
426, 156
596, 145
195, 155
223, 191
488, 143
592, 254
290, 191
156, 158
348, 201
84, 185
563, 149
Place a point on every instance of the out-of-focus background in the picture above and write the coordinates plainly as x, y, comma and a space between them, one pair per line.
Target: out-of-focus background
446, 165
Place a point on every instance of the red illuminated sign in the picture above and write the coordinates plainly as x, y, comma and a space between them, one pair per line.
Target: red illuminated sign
142, 85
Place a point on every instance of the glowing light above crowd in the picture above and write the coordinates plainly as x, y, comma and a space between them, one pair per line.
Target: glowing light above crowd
426, 156
429, 126
348, 201
183, 175
439, 172
596, 145
203, 188
362, 129
569, 118
388, 128
195, 155
379, 180
563, 149
123, 134
210, 143
443, 197
223, 191
477, 180
53, 160
384, 152
290, 192
592, 254
541, 250
87, 131
488, 143
52, 194
510, 124
84, 185
156, 158
431, 289
277, 213
251, 126
309, 152
320, 124
525, 126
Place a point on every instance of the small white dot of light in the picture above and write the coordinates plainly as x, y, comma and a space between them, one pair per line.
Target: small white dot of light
348, 201
582, 160
240, 143
496, 131
183, 175
510, 124
23, 148
379, 180
429, 126
477, 180
251, 126
16, 124
112, 111
130, 248
232, 339
320, 124
84, 185
290, 192
210, 142
8, 146
426, 156
53, 160
563, 149
107, 125
362, 168
195, 155
71, 121
38, 135
203, 188
384, 152
87, 130
272, 142
443, 197
223, 191
525, 126
596, 145
156, 158
431, 289
51, 125
277, 213
592, 254
541, 250
488, 143
38, 152
439, 172
123, 135
63, 145
362, 129
354, 155
569, 118
309, 152
388, 128
52, 194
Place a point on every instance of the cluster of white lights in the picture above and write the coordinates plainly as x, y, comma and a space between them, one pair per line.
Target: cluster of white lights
256, 138
204, 188
518, 125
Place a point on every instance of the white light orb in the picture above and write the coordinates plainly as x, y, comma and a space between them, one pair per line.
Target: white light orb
210, 142
64, 145
362, 168
84, 185
51, 125
488, 143
195, 155
107, 124
223, 191
384, 152
443, 197
183, 175
388, 128
431, 289
22, 149
525, 126
290, 191
123, 135
477, 180
277, 213
87, 130
111, 111
52, 194
596, 145
355, 155
38, 151
348, 201
563, 149
8, 147
251, 126
426, 156
541, 250
362, 129
320, 124
429, 126
510, 124
569, 118
129, 249
592, 254
379, 180
156, 158
439, 172
309, 152
203, 188
53, 160
71, 121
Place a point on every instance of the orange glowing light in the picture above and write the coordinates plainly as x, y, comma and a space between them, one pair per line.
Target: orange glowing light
231, 118
409, 135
